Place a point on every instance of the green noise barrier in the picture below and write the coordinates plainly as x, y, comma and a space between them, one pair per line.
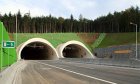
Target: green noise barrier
7, 55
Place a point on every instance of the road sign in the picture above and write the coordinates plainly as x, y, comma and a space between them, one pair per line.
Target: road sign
8, 44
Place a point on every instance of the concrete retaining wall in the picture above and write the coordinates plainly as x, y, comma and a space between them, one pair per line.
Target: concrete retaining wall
109, 52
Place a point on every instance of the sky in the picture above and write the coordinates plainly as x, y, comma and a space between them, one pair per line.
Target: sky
90, 9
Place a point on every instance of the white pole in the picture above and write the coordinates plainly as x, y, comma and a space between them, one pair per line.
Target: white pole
136, 40
136, 44
16, 30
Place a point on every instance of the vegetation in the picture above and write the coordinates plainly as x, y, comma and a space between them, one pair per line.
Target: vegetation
116, 22
54, 38
114, 39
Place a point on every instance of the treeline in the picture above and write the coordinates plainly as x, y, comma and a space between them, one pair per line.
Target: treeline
116, 22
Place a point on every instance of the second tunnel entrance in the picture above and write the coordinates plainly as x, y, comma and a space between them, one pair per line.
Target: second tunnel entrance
73, 51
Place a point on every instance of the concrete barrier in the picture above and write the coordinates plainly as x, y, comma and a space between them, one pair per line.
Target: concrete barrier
8, 76
109, 62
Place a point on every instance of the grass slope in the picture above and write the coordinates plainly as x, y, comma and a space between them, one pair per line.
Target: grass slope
113, 39
54, 38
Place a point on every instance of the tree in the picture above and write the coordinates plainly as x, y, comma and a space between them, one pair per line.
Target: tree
60, 22
113, 22
71, 22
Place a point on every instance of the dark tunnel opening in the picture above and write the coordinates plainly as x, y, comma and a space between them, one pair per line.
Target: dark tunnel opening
73, 51
37, 51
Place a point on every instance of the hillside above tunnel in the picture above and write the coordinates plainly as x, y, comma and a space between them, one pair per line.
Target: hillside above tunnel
115, 39
91, 40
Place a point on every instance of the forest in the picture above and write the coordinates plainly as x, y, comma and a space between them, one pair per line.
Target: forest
111, 23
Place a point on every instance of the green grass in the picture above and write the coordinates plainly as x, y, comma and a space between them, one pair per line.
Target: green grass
113, 39
54, 38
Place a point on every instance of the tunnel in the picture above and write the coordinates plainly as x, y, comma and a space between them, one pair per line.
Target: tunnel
37, 49
73, 49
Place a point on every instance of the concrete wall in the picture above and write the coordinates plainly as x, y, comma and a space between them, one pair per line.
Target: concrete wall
118, 52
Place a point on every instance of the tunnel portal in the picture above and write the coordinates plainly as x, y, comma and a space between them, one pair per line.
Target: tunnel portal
73, 51
37, 51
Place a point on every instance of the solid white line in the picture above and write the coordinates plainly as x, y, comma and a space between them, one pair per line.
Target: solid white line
79, 73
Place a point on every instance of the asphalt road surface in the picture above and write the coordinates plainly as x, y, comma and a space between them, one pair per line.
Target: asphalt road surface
60, 72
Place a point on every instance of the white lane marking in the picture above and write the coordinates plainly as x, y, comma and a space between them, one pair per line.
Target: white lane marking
81, 66
79, 74
45, 68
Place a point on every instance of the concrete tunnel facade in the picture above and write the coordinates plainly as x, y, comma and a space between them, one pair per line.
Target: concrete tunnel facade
74, 49
37, 48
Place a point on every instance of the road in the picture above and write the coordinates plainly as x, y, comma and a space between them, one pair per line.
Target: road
60, 72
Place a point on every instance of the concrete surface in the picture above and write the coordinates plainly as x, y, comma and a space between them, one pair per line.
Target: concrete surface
133, 63
60, 72
109, 52
10, 74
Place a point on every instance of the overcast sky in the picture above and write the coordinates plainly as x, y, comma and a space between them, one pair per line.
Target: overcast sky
90, 9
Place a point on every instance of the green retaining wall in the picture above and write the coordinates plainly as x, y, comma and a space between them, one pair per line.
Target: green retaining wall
7, 55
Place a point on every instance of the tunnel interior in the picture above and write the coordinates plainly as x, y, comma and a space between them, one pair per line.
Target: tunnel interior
37, 51
74, 51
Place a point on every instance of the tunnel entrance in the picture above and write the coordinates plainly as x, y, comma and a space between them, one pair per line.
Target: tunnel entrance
73, 51
37, 51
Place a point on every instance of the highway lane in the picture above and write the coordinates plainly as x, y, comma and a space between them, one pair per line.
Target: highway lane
60, 72
38, 73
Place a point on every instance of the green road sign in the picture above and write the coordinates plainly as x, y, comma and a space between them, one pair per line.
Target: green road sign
8, 44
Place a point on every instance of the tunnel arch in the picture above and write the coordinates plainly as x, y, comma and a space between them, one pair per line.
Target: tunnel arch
48, 46
81, 50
